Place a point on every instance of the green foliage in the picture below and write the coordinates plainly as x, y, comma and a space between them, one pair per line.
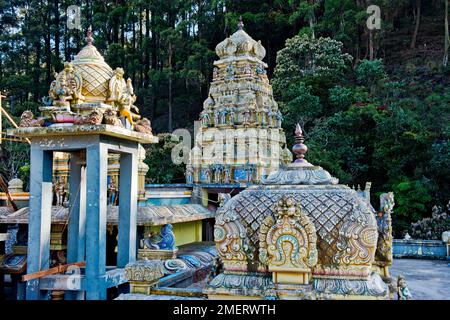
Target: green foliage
370, 73
24, 175
341, 98
304, 57
158, 158
361, 125
412, 199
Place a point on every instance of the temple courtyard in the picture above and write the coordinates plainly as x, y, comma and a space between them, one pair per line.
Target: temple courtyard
427, 279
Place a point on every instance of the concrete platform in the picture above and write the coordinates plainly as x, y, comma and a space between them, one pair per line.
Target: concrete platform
427, 279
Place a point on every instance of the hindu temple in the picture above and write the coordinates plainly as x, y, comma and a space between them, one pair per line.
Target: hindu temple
281, 228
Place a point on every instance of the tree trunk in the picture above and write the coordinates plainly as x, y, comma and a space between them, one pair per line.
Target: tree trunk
447, 36
416, 29
37, 70
57, 30
170, 87
146, 49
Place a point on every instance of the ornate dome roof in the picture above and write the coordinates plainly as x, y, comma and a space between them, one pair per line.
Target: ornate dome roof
240, 43
93, 69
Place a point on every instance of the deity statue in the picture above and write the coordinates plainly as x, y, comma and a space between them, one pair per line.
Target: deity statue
246, 117
216, 117
204, 118
247, 69
402, 289
122, 94
117, 85
167, 238
217, 173
152, 241
58, 189
249, 172
230, 71
383, 253
215, 73
66, 88
279, 118
232, 115
112, 192
189, 174
223, 198
223, 116
207, 175
271, 119
226, 175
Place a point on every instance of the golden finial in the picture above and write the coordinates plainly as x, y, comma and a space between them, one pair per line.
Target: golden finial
299, 149
89, 39
241, 23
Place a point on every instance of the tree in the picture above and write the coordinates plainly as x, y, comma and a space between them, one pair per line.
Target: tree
305, 57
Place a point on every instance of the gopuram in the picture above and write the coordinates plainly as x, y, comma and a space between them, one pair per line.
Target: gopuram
240, 140
90, 114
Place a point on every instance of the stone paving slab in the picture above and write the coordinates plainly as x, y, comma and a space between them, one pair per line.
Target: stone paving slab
427, 279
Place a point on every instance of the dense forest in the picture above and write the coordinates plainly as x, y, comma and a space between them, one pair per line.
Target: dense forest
375, 103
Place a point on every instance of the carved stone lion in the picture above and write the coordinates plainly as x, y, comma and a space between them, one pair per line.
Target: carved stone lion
94, 118
144, 126
27, 120
110, 117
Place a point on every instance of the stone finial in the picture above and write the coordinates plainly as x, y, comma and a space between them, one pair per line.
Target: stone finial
240, 23
89, 39
299, 149
15, 186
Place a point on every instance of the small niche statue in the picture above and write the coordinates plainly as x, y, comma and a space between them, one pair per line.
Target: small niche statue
402, 289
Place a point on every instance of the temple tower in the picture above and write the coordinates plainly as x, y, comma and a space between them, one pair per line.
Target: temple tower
240, 140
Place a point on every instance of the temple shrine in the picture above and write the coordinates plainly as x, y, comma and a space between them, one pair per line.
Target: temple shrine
250, 223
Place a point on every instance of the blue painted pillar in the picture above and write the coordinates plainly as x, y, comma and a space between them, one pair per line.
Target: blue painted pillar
76, 230
39, 217
96, 175
128, 184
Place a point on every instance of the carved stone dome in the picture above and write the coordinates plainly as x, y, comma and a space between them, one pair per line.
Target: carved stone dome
95, 72
240, 43
15, 185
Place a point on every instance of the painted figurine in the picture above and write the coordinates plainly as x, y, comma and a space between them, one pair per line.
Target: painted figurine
402, 289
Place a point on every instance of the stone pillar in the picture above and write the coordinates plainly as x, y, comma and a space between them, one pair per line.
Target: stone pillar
76, 230
96, 171
142, 172
39, 222
126, 250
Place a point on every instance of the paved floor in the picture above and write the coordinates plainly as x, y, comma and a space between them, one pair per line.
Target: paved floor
427, 279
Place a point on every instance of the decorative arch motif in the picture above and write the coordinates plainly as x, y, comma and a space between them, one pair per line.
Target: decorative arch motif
229, 235
288, 244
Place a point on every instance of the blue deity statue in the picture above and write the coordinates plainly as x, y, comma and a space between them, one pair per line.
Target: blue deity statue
167, 238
